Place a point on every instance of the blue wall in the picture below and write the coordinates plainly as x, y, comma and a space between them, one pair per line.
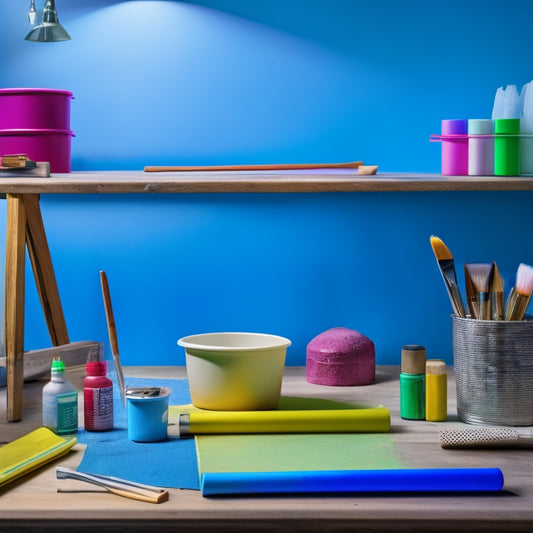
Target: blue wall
240, 81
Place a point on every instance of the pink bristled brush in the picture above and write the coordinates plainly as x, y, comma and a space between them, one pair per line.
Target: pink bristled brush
520, 297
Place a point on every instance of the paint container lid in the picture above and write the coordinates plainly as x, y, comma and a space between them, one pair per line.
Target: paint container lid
413, 359
454, 127
435, 367
480, 126
507, 125
145, 394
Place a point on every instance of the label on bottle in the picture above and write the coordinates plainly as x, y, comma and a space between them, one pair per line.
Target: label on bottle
98, 408
60, 412
67, 413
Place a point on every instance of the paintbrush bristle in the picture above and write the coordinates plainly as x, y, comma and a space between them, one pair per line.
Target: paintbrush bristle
440, 250
497, 282
480, 274
524, 280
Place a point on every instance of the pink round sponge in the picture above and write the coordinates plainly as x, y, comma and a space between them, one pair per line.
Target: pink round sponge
341, 357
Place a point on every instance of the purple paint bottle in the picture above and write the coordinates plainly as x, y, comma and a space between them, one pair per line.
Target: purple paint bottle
454, 150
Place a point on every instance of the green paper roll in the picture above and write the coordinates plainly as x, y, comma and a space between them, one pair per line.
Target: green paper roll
374, 420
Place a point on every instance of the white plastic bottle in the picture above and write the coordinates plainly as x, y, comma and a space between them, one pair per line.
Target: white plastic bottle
60, 402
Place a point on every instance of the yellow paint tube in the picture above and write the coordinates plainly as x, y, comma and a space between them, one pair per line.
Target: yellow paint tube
374, 420
436, 390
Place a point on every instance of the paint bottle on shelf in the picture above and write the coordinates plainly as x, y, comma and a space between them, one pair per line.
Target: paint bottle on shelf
506, 147
454, 147
436, 390
60, 401
480, 149
97, 397
413, 382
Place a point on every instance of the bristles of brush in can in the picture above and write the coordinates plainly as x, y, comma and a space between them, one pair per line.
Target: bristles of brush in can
520, 297
481, 276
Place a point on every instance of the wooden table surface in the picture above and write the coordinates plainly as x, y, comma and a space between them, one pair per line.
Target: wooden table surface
32, 502
320, 180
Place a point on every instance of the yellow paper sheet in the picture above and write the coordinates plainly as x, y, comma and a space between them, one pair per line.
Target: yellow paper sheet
30, 452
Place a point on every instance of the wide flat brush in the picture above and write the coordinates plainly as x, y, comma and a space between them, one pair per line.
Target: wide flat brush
519, 299
472, 296
481, 276
483, 438
447, 268
498, 303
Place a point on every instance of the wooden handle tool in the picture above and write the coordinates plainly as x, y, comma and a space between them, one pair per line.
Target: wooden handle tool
111, 328
121, 487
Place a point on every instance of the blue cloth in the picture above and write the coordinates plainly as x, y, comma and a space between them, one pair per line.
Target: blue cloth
171, 463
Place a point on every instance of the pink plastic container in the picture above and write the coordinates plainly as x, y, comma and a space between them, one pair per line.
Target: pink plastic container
39, 145
35, 108
454, 145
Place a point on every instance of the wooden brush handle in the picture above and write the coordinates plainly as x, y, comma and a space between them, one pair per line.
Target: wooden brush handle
297, 166
109, 313
117, 486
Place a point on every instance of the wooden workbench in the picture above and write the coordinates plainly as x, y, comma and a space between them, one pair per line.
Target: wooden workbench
120, 181
25, 226
32, 503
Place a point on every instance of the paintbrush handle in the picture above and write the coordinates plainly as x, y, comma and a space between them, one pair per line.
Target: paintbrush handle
209, 168
111, 328
518, 306
485, 306
456, 300
117, 486
498, 306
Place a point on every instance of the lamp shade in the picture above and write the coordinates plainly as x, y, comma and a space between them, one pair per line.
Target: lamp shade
49, 30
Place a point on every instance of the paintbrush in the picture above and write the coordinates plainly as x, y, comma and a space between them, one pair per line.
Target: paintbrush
121, 487
519, 299
472, 296
111, 328
498, 305
447, 269
481, 276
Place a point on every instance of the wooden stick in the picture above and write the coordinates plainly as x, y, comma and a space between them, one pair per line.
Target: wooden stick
112, 330
43, 272
14, 304
297, 166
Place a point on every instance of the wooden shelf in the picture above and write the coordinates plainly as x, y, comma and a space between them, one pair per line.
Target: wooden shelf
116, 181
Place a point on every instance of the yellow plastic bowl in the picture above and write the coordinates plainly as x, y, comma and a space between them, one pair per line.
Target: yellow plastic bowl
235, 371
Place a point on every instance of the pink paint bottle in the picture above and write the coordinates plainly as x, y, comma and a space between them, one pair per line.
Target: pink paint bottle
98, 397
454, 145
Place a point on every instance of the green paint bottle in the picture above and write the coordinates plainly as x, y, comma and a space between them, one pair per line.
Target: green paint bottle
413, 382
60, 401
507, 147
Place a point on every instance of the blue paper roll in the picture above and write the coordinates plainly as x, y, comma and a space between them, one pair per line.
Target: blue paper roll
393, 480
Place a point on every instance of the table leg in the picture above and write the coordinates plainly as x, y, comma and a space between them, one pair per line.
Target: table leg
14, 304
25, 227
43, 271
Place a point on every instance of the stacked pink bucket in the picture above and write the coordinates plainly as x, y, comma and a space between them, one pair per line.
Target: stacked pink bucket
341, 357
36, 122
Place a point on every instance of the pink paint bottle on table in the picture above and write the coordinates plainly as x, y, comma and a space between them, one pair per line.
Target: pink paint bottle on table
98, 397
